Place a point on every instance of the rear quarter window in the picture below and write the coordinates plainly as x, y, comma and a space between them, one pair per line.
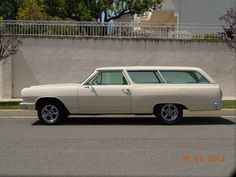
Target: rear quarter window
183, 77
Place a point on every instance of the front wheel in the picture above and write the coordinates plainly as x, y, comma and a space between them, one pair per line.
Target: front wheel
51, 113
168, 113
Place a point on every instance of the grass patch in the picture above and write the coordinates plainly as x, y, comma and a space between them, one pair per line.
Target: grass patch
229, 104
10, 105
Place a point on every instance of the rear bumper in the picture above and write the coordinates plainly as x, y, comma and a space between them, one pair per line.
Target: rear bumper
218, 105
27, 106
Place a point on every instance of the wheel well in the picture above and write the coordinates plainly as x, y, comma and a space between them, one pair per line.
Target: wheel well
161, 104
50, 99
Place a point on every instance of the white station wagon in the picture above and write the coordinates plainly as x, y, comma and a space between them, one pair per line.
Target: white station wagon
162, 91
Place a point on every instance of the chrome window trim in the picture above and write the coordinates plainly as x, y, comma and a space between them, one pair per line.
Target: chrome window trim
161, 76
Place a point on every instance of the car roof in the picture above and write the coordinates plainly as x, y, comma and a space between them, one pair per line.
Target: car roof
148, 68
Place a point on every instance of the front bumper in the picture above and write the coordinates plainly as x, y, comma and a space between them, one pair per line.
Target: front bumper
27, 106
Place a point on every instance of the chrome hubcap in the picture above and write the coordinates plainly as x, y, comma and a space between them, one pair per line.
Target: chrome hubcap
169, 112
49, 113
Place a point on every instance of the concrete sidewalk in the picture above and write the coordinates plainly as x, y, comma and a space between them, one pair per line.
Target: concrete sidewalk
10, 99
27, 113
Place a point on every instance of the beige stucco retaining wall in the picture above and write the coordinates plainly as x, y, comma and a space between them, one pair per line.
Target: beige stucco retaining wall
44, 60
6, 79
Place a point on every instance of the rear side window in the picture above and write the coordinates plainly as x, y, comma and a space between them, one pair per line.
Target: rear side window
183, 77
145, 77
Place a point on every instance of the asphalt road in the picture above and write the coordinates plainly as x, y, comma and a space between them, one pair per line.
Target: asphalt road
108, 146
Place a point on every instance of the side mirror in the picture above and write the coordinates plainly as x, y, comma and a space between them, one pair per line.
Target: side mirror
89, 86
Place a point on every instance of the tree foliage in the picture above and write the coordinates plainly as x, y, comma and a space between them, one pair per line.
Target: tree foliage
8, 47
68, 9
9, 8
31, 10
79, 10
230, 27
89, 10
119, 8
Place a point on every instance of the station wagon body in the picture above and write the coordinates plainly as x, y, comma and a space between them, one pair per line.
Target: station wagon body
162, 91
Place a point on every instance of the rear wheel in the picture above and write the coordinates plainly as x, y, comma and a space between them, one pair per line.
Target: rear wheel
51, 113
168, 113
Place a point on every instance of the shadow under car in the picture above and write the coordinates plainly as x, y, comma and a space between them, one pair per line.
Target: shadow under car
93, 120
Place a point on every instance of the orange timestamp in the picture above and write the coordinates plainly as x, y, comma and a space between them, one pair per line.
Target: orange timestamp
202, 158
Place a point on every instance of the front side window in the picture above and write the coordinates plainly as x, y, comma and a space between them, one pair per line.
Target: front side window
183, 77
108, 78
145, 77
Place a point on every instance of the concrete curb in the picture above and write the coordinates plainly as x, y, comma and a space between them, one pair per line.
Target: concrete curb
224, 112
